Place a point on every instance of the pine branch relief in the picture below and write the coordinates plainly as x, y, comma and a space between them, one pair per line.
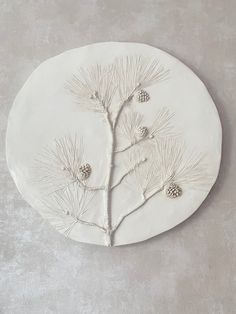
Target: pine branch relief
155, 159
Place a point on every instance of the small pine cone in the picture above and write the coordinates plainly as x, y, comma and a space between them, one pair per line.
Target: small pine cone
142, 131
143, 96
173, 190
85, 171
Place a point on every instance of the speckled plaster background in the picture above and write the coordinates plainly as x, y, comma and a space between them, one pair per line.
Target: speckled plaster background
188, 270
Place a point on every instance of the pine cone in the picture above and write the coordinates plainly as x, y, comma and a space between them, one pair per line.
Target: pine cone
85, 171
173, 190
143, 96
142, 131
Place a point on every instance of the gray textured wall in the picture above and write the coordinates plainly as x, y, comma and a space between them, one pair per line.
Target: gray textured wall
188, 270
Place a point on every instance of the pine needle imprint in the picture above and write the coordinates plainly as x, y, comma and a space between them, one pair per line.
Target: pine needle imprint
155, 159
130, 127
69, 206
63, 164
135, 73
94, 88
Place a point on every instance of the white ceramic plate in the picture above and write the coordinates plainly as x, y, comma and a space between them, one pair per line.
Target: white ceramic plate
114, 143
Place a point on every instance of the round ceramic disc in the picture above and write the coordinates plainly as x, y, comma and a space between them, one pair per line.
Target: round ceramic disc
114, 143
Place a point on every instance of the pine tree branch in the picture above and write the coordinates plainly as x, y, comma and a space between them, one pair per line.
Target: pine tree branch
81, 185
90, 188
124, 104
91, 224
94, 89
65, 210
82, 222
128, 172
110, 156
137, 207
121, 150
